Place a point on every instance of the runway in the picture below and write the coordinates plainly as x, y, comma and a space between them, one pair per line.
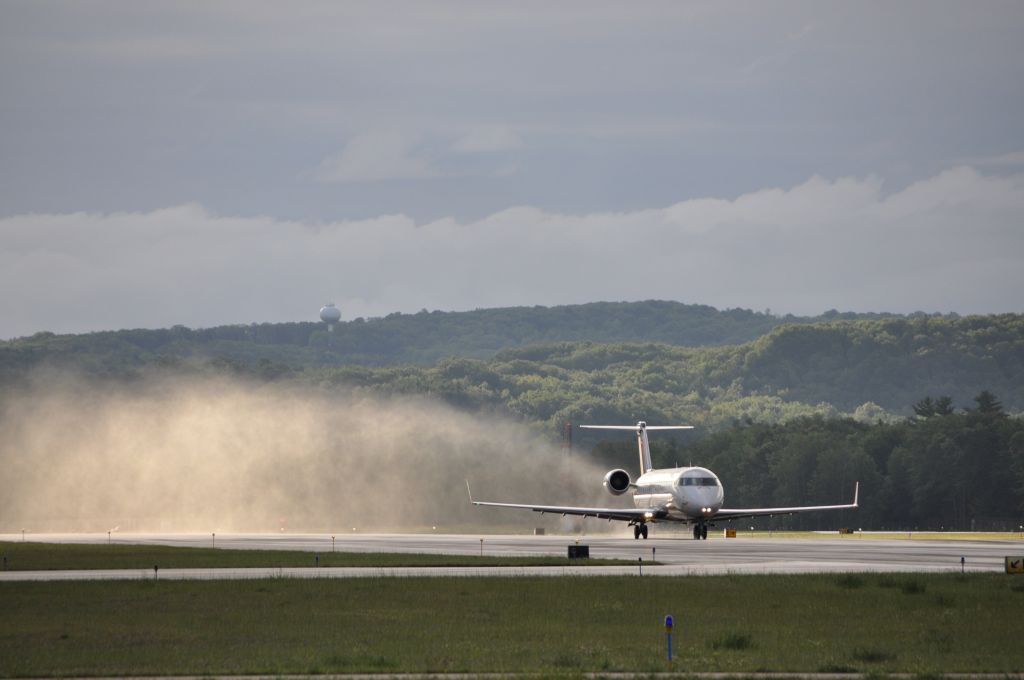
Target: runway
676, 556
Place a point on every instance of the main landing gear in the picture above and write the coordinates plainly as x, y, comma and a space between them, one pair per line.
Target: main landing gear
700, 532
639, 530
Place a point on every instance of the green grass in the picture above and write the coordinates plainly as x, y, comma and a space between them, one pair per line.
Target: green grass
942, 623
48, 556
889, 535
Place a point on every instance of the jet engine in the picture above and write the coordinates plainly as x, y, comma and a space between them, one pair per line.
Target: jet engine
617, 481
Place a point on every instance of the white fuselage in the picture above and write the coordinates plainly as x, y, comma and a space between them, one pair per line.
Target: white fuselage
684, 493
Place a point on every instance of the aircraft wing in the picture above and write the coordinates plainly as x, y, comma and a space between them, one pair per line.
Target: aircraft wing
624, 514
739, 513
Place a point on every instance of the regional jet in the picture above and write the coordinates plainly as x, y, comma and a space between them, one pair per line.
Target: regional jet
692, 495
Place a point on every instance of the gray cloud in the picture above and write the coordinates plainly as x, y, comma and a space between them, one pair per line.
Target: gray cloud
488, 138
376, 156
952, 242
246, 107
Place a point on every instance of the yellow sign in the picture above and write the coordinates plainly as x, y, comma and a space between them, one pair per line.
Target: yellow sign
1015, 565
730, 533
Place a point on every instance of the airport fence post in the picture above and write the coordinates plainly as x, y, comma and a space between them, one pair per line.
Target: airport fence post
156, 572
213, 539
640, 562
962, 561
332, 543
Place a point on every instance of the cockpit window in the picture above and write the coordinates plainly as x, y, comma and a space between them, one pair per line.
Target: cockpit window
698, 481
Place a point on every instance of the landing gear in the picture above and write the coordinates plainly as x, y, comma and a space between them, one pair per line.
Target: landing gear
639, 530
696, 532
700, 532
643, 531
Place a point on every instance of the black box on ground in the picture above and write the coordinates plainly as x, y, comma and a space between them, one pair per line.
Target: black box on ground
577, 551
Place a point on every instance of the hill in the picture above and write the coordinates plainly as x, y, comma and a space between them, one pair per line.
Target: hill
870, 369
421, 339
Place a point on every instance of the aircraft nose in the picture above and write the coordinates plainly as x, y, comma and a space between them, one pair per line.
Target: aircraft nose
711, 499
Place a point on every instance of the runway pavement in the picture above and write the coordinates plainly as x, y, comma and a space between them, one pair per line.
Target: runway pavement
678, 556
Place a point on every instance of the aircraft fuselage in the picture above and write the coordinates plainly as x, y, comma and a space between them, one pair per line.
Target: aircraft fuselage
684, 493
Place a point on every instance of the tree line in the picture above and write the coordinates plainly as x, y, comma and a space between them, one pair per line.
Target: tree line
866, 369
423, 338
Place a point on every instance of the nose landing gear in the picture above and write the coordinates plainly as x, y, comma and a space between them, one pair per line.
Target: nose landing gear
700, 532
639, 530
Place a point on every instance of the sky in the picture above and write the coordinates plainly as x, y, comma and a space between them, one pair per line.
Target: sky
208, 163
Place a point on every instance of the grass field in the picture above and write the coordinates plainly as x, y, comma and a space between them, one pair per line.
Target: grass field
30, 556
891, 535
871, 623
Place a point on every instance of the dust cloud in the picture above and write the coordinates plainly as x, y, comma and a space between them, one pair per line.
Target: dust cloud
216, 454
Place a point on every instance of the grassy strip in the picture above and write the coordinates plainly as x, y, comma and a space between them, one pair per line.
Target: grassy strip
939, 623
47, 556
890, 535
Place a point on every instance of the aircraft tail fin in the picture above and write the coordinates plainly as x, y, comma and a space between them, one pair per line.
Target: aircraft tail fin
641, 437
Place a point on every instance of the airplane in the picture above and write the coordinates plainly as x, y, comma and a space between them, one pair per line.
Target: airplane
692, 495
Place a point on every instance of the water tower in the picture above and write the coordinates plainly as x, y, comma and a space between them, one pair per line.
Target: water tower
330, 315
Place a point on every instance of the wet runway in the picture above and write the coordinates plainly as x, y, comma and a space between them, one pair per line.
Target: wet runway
677, 555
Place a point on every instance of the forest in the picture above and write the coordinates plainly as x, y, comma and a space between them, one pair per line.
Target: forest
943, 469
923, 410
422, 339
868, 370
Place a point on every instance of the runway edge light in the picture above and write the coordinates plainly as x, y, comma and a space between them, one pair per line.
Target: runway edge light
668, 635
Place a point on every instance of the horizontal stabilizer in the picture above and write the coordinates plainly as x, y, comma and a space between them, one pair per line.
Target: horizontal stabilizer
640, 429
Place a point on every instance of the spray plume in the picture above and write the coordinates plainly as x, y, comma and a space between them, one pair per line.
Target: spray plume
217, 454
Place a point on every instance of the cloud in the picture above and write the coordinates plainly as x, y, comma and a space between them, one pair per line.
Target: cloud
377, 156
952, 242
488, 139
1012, 159
229, 104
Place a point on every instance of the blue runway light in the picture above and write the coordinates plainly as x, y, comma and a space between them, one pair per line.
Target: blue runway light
668, 635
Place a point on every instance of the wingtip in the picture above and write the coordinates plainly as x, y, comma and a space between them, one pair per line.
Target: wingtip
469, 491
856, 494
